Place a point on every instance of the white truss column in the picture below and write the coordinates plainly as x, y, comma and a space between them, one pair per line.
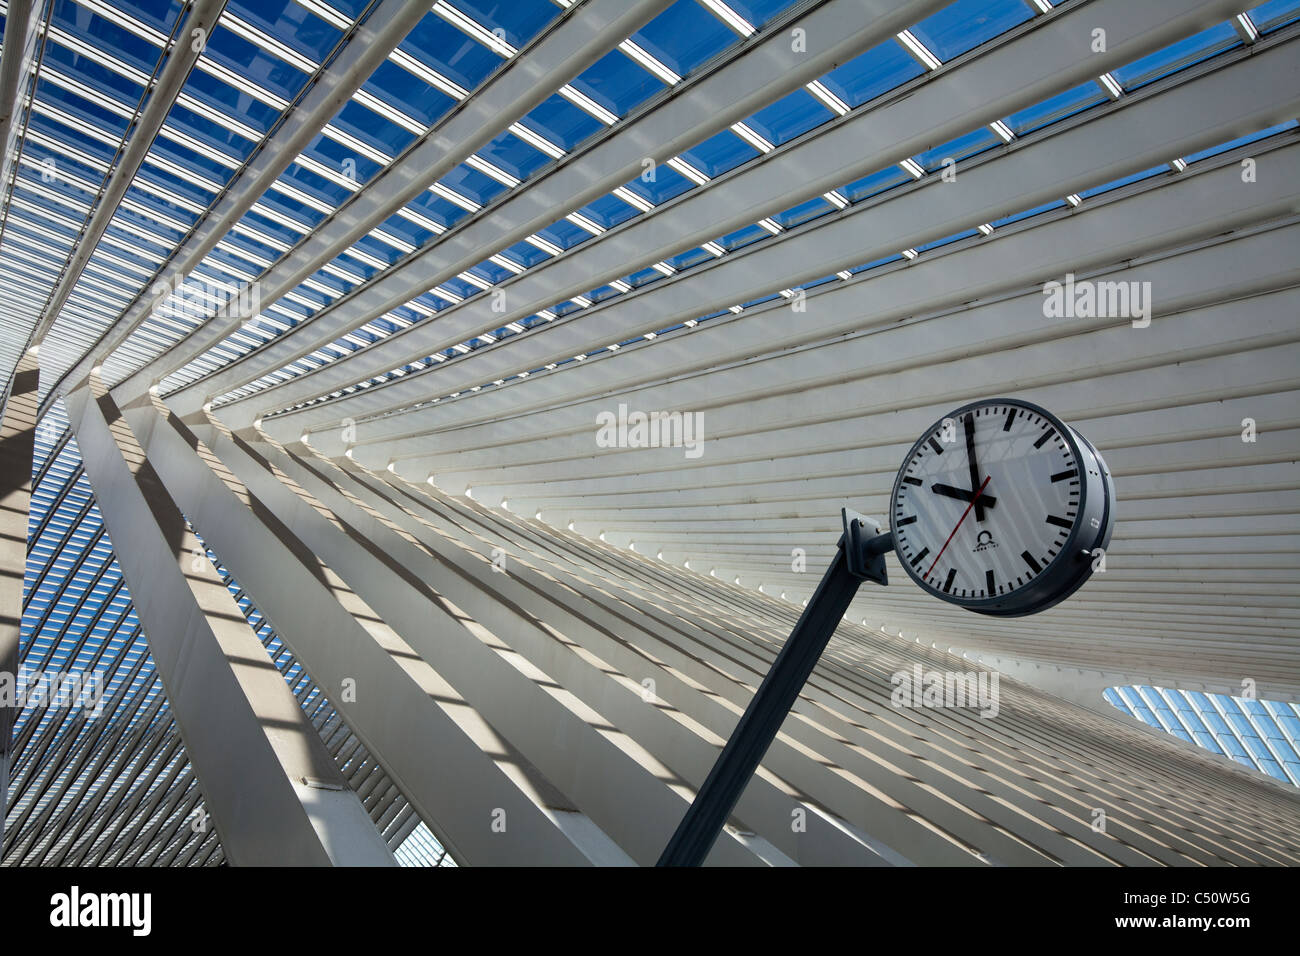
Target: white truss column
17, 440
560, 735
482, 799
275, 795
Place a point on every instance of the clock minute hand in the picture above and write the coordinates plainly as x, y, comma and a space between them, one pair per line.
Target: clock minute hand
974, 466
961, 494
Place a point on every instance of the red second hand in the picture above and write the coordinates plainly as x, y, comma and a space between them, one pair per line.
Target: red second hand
959, 521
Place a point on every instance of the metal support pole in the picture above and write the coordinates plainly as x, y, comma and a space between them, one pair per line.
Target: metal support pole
758, 726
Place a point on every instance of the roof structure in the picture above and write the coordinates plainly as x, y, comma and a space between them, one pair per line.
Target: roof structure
403, 258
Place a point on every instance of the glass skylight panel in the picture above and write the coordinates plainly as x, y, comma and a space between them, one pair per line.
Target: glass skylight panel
684, 36
472, 184
280, 229
1241, 141
617, 83
791, 116
563, 235
70, 194
743, 237
1056, 108
157, 196
965, 24
1259, 734
561, 122
432, 212
963, 147
514, 155
98, 71
758, 13
89, 161
82, 104
214, 97
137, 217
720, 153
1275, 15
215, 132
1177, 56
490, 272
450, 52
367, 125
955, 237
136, 16
459, 288
1123, 181
307, 180
415, 94
520, 21
691, 257
876, 183
306, 31
245, 58
804, 212
667, 184
608, 211
1027, 213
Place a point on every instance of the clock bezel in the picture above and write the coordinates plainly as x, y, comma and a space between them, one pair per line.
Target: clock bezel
1073, 563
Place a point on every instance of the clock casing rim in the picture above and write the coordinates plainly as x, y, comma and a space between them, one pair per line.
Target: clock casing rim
1073, 564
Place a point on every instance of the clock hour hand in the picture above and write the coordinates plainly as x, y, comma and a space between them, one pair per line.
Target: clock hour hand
961, 494
974, 466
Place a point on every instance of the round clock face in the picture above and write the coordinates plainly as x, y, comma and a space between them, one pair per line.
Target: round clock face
1002, 508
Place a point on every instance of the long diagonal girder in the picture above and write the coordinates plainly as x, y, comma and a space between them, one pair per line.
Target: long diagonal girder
273, 791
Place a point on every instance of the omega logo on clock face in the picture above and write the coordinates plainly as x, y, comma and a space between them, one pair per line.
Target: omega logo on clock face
1002, 508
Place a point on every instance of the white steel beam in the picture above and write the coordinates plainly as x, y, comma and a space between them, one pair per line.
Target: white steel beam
201, 16
758, 73
17, 441
581, 36
386, 27
553, 732
417, 727
274, 793
1018, 72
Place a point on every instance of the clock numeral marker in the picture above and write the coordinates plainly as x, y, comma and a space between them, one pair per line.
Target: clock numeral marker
952, 573
1060, 522
912, 481
938, 449
1062, 475
917, 560
1029, 560
1011, 416
988, 583
1042, 439
908, 520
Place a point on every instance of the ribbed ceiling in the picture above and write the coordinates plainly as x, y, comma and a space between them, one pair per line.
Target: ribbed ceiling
819, 227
